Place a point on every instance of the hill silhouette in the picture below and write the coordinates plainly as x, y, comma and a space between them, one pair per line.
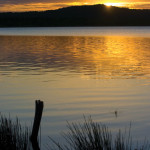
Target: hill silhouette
88, 15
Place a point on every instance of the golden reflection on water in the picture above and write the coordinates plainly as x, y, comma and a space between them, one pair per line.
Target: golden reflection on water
60, 63
92, 57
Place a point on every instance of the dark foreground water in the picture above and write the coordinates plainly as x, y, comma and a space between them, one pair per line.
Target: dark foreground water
76, 71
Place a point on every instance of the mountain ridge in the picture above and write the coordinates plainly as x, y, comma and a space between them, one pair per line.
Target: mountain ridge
86, 15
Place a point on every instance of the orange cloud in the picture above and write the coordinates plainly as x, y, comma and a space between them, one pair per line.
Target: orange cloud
14, 7
30, 7
139, 5
38, 5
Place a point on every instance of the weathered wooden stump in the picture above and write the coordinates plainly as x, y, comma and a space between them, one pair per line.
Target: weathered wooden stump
37, 119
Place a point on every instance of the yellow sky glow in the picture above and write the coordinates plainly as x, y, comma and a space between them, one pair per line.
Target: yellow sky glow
115, 4
51, 6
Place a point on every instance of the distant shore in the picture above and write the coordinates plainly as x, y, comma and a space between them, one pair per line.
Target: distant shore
75, 16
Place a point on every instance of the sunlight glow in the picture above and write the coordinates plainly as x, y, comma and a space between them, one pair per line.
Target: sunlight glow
114, 4
42, 6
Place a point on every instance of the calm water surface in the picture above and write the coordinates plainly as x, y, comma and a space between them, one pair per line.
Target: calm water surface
76, 71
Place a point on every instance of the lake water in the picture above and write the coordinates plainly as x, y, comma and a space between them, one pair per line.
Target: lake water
76, 71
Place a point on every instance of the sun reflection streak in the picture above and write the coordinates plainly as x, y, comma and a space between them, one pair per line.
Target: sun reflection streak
92, 57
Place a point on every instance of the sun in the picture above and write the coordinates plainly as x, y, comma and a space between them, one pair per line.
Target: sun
113, 4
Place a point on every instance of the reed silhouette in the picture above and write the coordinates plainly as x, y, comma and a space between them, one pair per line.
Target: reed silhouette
88, 135
12, 135
96, 136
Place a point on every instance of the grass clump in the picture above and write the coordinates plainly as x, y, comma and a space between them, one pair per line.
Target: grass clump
12, 135
95, 136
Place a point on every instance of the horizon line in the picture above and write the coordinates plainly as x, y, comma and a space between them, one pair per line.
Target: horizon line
105, 4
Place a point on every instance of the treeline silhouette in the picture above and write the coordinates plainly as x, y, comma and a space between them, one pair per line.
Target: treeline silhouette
88, 15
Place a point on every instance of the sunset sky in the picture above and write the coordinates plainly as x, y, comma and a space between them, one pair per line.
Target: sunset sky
40, 5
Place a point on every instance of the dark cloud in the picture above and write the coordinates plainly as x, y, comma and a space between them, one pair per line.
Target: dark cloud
15, 2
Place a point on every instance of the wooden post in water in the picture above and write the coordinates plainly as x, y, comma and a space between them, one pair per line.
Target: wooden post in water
37, 119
